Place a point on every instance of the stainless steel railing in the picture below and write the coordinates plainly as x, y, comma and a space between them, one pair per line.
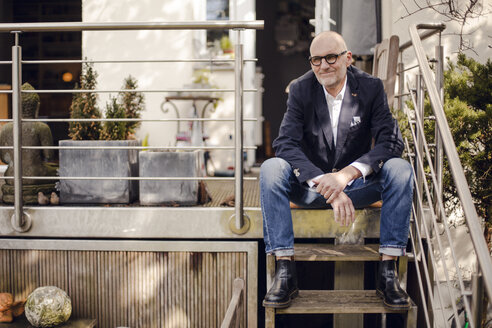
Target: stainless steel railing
20, 220
428, 209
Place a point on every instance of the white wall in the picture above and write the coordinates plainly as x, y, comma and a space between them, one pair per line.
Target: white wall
393, 23
166, 45
220, 133
151, 44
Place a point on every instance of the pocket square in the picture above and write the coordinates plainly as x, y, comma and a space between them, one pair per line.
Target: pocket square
355, 121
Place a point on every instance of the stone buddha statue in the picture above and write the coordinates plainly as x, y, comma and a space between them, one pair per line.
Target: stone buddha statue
34, 161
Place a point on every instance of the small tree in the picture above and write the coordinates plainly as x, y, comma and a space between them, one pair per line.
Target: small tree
132, 104
114, 130
84, 105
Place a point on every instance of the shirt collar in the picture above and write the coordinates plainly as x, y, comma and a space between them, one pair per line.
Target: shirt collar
339, 95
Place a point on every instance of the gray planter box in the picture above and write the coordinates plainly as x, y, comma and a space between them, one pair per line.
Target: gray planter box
98, 163
169, 164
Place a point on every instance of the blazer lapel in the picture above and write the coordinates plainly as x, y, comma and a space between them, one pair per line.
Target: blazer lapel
321, 109
350, 107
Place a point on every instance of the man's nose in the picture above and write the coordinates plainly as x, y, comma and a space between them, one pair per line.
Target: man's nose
324, 64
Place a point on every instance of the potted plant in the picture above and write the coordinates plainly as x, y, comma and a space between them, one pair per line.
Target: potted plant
100, 162
226, 45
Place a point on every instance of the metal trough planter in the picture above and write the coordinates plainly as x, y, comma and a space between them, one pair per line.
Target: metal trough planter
169, 164
98, 163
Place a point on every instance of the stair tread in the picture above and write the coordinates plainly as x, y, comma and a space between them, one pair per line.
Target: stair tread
330, 252
337, 301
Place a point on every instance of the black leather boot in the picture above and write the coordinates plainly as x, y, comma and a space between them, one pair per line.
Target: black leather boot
388, 287
284, 287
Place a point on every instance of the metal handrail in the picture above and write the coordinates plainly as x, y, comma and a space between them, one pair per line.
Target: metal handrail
22, 224
128, 26
416, 135
133, 90
432, 28
233, 313
457, 171
178, 119
134, 147
429, 185
127, 61
132, 178
130, 61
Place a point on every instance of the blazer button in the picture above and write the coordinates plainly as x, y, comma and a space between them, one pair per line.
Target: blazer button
296, 172
380, 164
334, 170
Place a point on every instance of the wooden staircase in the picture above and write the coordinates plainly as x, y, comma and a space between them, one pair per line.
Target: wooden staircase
348, 301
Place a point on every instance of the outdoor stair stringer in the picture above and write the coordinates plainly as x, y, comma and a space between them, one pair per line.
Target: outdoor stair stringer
349, 300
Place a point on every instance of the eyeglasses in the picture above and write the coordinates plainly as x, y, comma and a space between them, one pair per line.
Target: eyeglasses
330, 58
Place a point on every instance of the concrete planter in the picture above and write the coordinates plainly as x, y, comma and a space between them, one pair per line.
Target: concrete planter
169, 164
98, 163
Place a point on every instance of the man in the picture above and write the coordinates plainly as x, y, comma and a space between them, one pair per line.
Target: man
325, 158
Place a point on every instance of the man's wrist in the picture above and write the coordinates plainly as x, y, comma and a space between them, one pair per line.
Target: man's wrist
365, 169
350, 173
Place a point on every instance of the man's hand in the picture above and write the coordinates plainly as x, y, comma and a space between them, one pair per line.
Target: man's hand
331, 185
343, 209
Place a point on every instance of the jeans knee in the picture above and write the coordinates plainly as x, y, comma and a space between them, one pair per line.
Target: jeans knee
273, 165
274, 170
399, 169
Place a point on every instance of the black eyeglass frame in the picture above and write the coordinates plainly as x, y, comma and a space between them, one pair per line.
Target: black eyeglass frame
333, 58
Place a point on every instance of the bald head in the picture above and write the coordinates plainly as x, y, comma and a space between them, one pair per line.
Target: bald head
331, 58
328, 39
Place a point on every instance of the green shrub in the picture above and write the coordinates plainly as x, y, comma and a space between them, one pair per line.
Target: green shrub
468, 108
114, 130
132, 104
84, 105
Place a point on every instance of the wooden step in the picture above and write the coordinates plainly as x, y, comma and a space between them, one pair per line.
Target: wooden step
337, 301
330, 252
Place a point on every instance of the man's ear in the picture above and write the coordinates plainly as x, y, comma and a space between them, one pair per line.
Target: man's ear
349, 58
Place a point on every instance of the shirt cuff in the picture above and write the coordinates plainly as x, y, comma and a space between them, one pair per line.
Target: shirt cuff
310, 182
364, 169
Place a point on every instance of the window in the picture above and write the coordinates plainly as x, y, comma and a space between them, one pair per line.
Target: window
217, 10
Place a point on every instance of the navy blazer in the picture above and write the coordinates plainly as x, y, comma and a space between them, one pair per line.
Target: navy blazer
306, 139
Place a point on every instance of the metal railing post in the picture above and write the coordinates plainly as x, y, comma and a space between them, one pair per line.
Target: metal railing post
438, 155
240, 225
401, 81
19, 221
477, 298
419, 143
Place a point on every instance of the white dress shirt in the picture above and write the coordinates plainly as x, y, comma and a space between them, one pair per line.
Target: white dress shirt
334, 107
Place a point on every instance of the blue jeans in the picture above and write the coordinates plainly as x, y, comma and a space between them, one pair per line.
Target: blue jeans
392, 184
